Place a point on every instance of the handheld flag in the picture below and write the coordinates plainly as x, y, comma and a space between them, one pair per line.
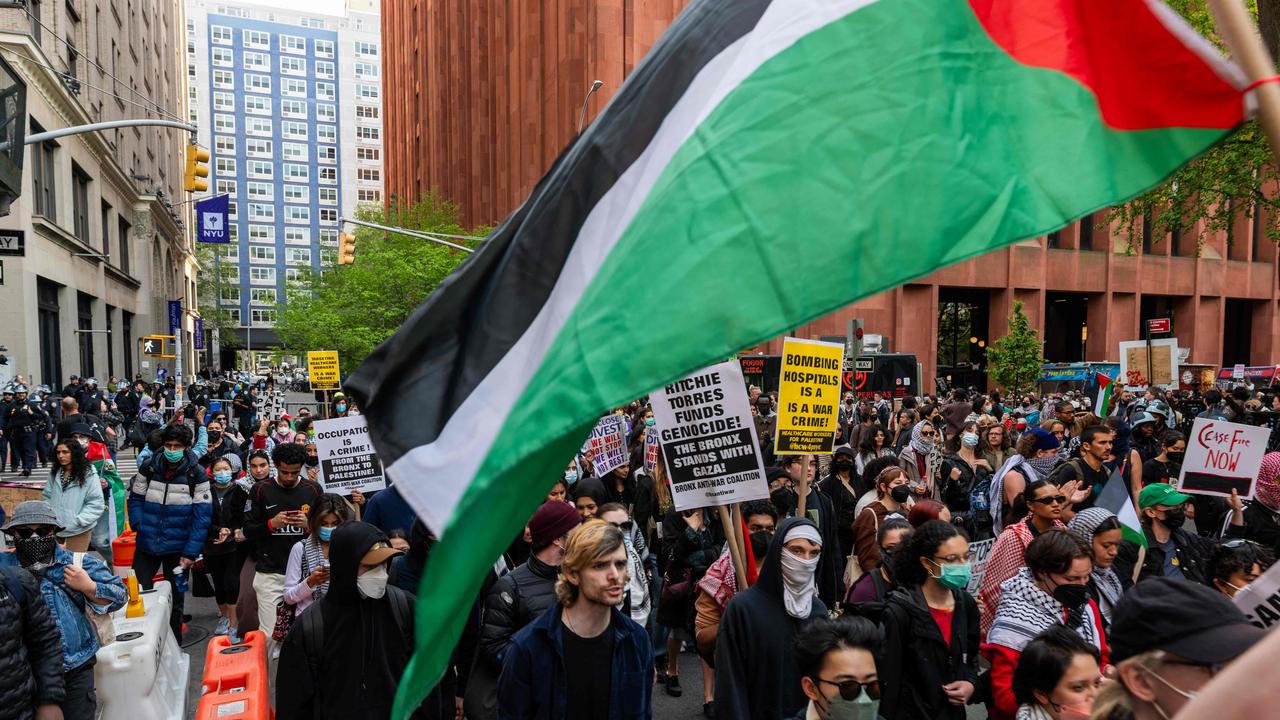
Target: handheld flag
768, 162
1103, 405
1116, 498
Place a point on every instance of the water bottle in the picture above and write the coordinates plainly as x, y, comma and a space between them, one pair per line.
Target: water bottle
180, 580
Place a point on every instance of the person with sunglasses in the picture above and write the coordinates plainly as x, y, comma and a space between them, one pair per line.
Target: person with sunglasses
929, 666
1171, 550
1236, 563
1045, 502
837, 663
1058, 677
1051, 590
1169, 639
922, 461
71, 583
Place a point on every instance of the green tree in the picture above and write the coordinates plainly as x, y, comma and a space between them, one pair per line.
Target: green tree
353, 308
1014, 361
208, 286
1225, 184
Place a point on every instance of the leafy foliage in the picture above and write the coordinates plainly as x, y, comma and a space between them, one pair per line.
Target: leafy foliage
207, 288
1208, 195
1014, 361
354, 308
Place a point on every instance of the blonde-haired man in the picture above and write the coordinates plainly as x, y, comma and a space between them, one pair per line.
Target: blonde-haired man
582, 659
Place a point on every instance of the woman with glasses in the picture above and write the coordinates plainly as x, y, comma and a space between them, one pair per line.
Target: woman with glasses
837, 663
1045, 502
1051, 590
929, 667
1057, 677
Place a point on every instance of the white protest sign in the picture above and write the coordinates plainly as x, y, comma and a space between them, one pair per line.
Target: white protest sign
708, 439
978, 554
650, 450
608, 444
1222, 456
348, 461
1260, 599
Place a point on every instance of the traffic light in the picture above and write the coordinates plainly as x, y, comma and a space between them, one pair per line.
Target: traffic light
153, 345
346, 248
855, 337
197, 157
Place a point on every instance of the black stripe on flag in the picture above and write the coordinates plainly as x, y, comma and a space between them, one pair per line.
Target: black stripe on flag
411, 385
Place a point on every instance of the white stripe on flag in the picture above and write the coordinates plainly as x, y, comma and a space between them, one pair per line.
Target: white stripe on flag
433, 477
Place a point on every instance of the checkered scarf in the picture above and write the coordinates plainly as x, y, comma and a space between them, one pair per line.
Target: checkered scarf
1267, 490
1007, 557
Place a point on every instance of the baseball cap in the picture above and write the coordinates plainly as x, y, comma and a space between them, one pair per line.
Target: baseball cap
1045, 440
1161, 494
1180, 617
379, 553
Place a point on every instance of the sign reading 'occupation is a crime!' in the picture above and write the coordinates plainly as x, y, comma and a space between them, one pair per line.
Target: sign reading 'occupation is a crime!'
808, 397
348, 461
1221, 457
708, 438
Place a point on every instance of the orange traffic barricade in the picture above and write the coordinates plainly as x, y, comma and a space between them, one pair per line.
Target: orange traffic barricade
234, 686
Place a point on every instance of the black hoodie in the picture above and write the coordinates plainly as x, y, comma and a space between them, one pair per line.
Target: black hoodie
756, 673
344, 656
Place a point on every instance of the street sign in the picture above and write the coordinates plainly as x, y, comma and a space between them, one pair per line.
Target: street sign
323, 367
1160, 325
197, 341
175, 316
13, 242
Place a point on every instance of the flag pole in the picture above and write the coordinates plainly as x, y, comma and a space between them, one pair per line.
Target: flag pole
1242, 39
735, 552
739, 536
803, 484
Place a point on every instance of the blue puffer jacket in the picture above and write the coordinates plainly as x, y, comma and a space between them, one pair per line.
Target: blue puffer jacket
79, 638
170, 506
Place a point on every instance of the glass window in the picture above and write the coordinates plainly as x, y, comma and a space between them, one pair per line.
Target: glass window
328, 237
293, 66
293, 87
293, 44
257, 126
366, 69
297, 193
367, 91
367, 112
328, 215
257, 83
224, 123
259, 169
256, 39
368, 133
293, 151
297, 214
262, 212
262, 233
328, 195
368, 174
326, 112
260, 190
327, 133
220, 34
230, 293
234, 313
230, 252
225, 186
291, 274
366, 195
293, 108
224, 79
367, 153
257, 147
224, 144
328, 175
264, 317
296, 173
263, 296
257, 104
324, 70
324, 48
297, 256
324, 91
297, 235
257, 61
224, 101
222, 57
293, 130
366, 48
327, 154
262, 253
225, 165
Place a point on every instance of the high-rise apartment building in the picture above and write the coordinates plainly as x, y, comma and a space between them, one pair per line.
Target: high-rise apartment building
292, 106
97, 242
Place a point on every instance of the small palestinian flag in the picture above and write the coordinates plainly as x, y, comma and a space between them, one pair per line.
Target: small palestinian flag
1103, 406
768, 162
1115, 497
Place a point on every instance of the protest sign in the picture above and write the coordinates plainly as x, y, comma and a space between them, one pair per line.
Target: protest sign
1223, 456
1162, 371
650, 450
978, 554
808, 397
347, 459
1260, 599
608, 444
708, 438
322, 367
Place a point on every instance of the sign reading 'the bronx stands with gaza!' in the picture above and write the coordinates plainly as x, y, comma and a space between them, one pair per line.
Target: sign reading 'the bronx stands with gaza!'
708, 438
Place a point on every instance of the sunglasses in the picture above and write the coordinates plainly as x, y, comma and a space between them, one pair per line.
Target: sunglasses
1239, 543
1051, 500
851, 689
26, 533
624, 526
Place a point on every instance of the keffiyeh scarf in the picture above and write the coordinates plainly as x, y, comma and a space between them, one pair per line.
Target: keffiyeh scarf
1026, 611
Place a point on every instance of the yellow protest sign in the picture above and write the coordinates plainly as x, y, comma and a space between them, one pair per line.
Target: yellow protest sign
808, 397
323, 366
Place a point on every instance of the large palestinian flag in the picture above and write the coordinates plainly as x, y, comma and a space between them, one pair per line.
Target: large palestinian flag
768, 162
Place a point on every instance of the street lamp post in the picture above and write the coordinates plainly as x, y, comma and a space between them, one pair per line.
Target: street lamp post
582, 114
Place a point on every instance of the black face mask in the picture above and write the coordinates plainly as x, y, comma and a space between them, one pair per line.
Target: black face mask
842, 466
784, 500
1071, 596
215, 436
900, 494
36, 553
1175, 457
313, 460
1173, 519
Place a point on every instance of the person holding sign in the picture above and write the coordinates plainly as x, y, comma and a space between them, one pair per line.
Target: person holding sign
1261, 519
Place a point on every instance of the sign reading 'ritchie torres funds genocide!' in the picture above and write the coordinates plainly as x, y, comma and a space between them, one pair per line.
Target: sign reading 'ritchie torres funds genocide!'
808, 397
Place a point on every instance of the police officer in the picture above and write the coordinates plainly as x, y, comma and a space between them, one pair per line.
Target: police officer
21, 421
6, 401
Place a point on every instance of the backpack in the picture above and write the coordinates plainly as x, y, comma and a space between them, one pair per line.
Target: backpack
1077, 463
400, 610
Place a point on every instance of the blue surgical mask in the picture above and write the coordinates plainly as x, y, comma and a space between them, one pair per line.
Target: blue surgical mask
325, 533
969, 439
571, 476
650, 422
222, 477
174, 455
342, 408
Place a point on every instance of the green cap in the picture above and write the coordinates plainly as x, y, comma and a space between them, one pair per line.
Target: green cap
1160, 494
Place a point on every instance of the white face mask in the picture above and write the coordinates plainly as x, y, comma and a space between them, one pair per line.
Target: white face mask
373, 584
798, 586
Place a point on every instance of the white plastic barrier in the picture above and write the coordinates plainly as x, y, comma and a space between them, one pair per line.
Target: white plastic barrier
143, 674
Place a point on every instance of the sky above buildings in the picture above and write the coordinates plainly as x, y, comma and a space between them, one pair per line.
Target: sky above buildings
328, 7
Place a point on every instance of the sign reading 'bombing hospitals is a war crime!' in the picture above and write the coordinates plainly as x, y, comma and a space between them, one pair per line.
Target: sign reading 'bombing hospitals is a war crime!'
808, 397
